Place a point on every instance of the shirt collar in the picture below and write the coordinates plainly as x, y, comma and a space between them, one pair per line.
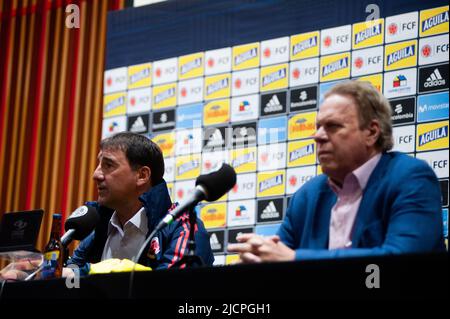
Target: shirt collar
139, 221
360, 175
363, 172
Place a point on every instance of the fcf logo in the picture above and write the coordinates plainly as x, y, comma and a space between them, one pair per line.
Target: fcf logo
73, 18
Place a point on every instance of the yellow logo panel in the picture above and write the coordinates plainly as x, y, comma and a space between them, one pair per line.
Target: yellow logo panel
187, 167
302, 125
271, 183
274, 77
319, 170
214, 215
305, 45
400, 55
164, 96
139, 76
114, 104
301, 153
166, 143
432, 136
216, 112
246, 56
433, 21
190, 66
368, 33
334, 67
170, 189
231, 259
218, 86
244, 160
376, 80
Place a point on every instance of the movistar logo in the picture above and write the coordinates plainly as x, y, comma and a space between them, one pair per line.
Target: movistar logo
335, 66
368, 33
271, 182
114, 104
304, 45
401, 54
434, 21
433, 135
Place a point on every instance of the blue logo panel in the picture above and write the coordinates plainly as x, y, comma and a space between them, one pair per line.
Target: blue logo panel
189, 116
444, 221
272, 130
432, 107
267, 230
324, 88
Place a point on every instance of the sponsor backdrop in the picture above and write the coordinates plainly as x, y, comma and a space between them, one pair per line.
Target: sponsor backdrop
253, 105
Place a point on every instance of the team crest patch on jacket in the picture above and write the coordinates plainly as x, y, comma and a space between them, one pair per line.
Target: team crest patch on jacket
154, 248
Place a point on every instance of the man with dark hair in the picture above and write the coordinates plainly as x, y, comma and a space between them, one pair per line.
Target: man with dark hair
132, 199
368, 201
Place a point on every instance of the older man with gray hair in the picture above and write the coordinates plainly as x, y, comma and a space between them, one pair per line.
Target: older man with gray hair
368, 201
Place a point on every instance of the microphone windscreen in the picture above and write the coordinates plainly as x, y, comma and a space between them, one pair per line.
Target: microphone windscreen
217, 183
83, 220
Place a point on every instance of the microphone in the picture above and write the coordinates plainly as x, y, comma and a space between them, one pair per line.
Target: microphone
210, 187
79, 224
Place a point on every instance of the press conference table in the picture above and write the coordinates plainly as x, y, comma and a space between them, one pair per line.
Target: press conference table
408, 276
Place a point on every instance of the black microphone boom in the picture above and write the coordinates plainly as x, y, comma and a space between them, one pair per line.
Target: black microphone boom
210, 187
217, 183
79, 224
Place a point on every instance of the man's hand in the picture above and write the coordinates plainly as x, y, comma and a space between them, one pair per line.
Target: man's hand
20, 270
254, 248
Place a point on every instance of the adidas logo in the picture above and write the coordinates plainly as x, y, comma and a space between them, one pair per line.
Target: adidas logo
214, 242
435, 79
398, 109
215, 139
273, 105
270, 211
138, 126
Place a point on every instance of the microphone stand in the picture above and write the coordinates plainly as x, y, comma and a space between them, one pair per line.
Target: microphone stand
190, 259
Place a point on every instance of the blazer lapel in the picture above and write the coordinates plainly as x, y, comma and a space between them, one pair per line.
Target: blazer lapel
321, 226
367, 205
